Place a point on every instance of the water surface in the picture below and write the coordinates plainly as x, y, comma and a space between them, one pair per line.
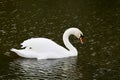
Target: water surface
98, 58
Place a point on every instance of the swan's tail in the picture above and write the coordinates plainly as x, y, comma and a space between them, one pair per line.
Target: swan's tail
24, 53
18, 52
14, 50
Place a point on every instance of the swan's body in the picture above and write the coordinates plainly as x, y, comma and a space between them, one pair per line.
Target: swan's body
43, 48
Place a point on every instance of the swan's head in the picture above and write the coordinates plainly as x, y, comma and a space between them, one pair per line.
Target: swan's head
76, 32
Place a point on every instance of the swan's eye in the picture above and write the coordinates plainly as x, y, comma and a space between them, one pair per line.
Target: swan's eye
30, 48
82, 36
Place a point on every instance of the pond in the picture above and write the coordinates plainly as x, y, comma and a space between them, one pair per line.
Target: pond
98, 58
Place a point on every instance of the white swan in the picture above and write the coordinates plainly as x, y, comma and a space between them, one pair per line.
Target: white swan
43, 48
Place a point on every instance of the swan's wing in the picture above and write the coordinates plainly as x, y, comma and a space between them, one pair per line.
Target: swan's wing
38, 42
43, 45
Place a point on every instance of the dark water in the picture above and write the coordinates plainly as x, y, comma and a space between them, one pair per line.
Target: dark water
99, 57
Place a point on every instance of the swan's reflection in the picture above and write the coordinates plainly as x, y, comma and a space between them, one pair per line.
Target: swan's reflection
45, 69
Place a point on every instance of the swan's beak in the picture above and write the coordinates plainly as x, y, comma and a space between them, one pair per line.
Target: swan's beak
81, 40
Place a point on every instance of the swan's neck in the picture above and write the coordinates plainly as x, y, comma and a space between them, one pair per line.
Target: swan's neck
67, 43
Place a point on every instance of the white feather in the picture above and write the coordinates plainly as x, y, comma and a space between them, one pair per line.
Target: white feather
43, 48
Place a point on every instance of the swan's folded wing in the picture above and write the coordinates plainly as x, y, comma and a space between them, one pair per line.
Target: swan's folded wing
43, 45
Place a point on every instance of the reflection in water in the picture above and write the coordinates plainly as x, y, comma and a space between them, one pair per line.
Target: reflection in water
44, 69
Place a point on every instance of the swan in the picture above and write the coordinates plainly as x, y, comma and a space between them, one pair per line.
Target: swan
44, 48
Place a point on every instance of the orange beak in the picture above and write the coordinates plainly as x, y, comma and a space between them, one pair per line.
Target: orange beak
81, 40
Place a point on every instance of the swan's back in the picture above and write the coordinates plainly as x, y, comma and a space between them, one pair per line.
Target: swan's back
42, 45
37, 42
